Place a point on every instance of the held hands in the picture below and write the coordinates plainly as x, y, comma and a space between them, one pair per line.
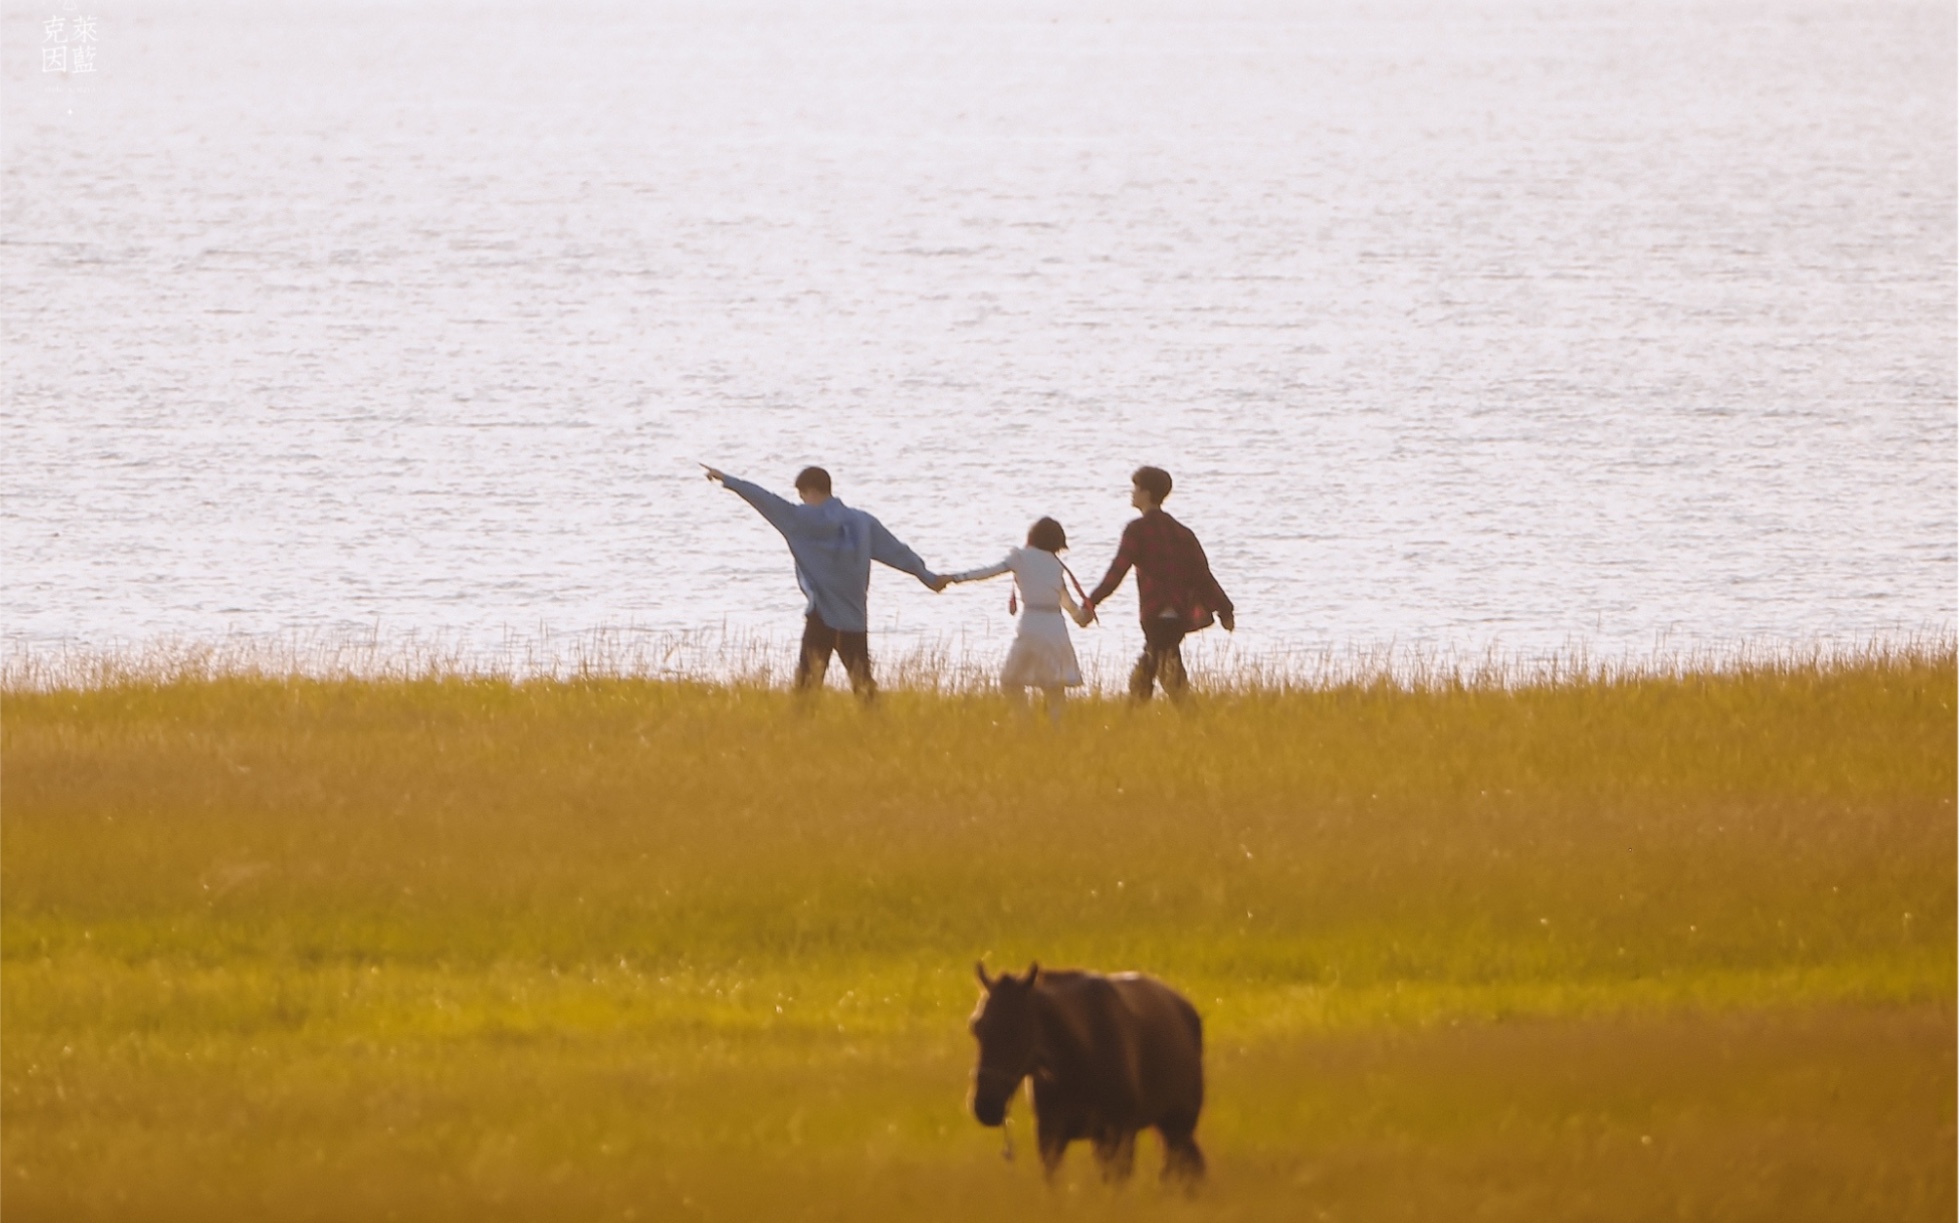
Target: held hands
939, 582
1085, 615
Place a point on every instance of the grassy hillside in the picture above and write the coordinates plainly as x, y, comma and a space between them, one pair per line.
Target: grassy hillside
624, 949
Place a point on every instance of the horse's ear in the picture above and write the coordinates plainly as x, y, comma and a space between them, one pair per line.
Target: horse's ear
1033, 970
979, 966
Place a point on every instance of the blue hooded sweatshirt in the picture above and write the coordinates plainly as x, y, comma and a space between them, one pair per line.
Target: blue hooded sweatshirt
833, 546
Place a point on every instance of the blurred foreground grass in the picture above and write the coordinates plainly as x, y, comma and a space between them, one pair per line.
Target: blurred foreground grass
1628, 948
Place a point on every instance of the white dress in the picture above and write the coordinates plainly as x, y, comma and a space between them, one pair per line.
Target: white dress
1041, 656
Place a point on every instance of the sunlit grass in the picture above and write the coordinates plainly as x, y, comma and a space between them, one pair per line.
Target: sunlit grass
459, 947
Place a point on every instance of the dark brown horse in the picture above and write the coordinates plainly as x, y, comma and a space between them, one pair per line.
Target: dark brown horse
1108, 1056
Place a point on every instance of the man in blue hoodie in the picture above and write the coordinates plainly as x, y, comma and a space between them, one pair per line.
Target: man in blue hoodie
833, 546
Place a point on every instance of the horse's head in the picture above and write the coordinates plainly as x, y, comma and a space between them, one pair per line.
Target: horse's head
1004, 1025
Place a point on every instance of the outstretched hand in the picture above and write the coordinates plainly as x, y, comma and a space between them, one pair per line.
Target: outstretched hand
714, 473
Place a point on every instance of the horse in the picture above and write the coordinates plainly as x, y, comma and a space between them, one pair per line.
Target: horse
1109, 1057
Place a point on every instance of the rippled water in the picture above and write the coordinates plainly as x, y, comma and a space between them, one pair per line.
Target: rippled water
1460, 325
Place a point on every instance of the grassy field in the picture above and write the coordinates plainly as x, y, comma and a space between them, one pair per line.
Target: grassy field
1609, 949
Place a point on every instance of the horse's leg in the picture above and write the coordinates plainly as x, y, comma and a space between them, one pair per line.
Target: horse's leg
1052, 1136
1182, 1160
1117, 1154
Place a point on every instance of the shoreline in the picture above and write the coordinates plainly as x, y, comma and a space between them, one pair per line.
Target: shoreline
946, 666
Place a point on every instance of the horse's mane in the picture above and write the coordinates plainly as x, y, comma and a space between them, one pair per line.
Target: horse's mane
1063, 976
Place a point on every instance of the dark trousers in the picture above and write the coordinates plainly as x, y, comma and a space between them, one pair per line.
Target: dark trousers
819, 641
1163, 659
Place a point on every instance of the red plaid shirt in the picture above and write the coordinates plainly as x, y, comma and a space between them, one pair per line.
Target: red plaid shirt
1172, 573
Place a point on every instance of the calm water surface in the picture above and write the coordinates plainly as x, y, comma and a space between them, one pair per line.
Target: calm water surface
1525, 325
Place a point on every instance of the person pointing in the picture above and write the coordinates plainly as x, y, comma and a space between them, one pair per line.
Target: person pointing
833, 546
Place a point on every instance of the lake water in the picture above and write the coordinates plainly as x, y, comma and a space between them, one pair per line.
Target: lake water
1626, 327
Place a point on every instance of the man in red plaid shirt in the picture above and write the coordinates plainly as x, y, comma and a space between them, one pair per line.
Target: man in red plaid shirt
1174, 587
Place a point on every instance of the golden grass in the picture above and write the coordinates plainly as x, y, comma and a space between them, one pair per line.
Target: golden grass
1613, 947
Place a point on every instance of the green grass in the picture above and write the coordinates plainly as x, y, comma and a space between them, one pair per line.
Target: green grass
1610, 948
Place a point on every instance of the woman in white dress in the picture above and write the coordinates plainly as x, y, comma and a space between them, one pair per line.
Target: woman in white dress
1041, 655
